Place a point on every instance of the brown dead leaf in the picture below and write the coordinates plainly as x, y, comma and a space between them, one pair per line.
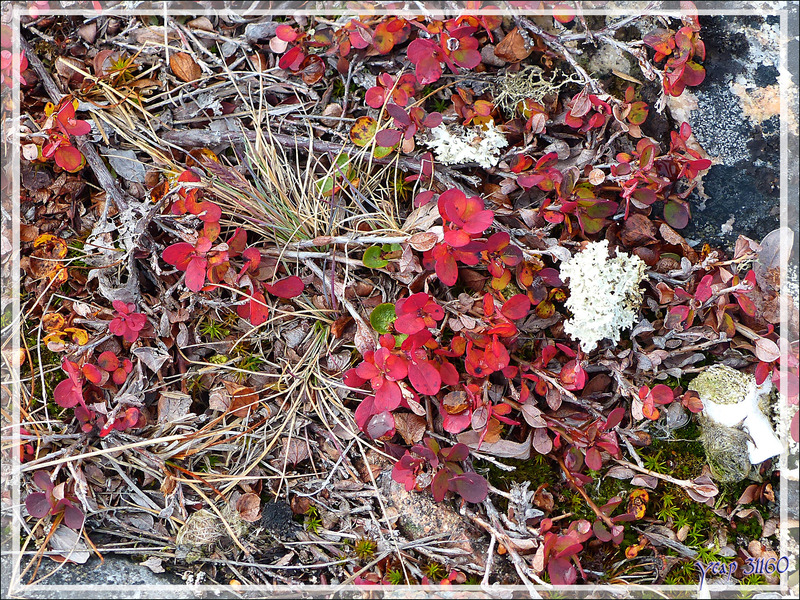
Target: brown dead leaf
64, 67
244, 399
541, 441
501, 449
294, 451
543, 499
767, 350
455, 402
424, 241
173, 406
410, 426
201, 23
249, 507
513, 48
638, 230
676, 239
340, 324
184, 67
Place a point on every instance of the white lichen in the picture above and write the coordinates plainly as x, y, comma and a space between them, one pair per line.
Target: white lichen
456, 145
604, 294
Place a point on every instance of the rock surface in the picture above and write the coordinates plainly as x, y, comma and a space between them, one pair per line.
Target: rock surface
119, 576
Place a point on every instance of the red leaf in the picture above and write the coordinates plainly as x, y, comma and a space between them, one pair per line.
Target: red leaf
692, 401
447, 270
762, 372
424, 377
662, 394
119, 376
178, 255
747, 305
108, 361
375, 96
73, 517
440, 485
615, 418
561, 571
292, 60
364, 412
37, 505
516, 307
470, 486
676, 213
42, 479
67, 394
196, 273
286, 33
593, 459
388, 137
380, 425
69, 158
290, 287
601, 532
94, 375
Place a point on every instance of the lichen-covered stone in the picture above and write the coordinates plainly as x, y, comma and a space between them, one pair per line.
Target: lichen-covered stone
203, 529
720, 384
604, 294
735, 427
726, 451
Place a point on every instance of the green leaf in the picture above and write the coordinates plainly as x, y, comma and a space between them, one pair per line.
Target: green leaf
676, 214
325, 185
382, 316
381, 151
372, 258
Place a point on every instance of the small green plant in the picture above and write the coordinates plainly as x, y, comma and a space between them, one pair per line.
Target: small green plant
696, 535
434, 571
395, 577
667, 513
654, 462
364, 549
213, 329
754, 579
681, 521
668, 509
313, 522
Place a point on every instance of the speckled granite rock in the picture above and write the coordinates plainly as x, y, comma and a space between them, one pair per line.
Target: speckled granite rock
735, 116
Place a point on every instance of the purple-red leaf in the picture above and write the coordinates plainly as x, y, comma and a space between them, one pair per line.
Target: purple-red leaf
290, 287
37, 505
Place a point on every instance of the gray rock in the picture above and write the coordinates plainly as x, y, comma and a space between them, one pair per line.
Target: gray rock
735, 120
255, 32
119, 576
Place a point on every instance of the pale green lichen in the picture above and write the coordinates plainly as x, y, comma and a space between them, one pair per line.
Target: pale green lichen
529, 83
457, 145
721, 384
736, 430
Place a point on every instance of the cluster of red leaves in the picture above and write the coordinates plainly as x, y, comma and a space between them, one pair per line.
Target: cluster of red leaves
53, 500
202, 260
682, 48
127, 323
430, 465
61, 123
109, 372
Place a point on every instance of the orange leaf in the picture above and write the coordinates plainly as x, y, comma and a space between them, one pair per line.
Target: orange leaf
184, 67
